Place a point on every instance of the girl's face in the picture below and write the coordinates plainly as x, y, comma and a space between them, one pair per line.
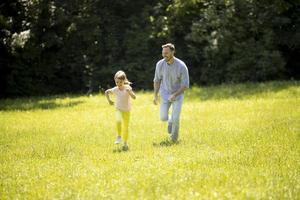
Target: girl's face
119, 82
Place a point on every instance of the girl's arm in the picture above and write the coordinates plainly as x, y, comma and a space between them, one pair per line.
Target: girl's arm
108, 97
130, 92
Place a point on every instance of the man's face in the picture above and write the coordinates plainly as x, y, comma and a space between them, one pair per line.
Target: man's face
167, 54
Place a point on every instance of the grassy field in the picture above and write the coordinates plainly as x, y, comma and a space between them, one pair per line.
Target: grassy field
236, 142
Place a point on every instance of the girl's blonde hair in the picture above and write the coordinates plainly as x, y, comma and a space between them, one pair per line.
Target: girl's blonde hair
122, 76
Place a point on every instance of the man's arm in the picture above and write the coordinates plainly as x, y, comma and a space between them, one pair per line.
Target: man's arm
177, 93
185, 82
156, 86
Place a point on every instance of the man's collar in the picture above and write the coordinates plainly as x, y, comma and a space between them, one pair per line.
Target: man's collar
172, 61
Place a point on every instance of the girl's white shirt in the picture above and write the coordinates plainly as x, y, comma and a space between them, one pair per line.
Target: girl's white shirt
123, 102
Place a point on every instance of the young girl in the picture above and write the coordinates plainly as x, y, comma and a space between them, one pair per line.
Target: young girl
123, 93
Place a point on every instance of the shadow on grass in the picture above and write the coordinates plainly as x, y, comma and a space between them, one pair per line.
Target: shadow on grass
238, 91
165, 143
46, 103
120, 150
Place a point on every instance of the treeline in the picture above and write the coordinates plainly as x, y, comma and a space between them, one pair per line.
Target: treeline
71, 46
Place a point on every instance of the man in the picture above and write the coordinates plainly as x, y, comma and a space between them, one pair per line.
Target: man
171, 79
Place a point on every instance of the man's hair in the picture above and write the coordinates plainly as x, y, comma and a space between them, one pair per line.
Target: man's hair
169, 45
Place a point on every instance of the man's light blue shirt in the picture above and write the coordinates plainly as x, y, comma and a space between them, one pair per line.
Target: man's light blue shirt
172, 77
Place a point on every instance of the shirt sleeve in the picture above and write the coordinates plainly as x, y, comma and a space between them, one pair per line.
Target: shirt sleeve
114, 90
157, 75
185, 80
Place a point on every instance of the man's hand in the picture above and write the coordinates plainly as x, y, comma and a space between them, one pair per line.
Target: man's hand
155, 100
172, 98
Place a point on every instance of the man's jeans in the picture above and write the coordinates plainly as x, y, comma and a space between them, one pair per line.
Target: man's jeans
175, 116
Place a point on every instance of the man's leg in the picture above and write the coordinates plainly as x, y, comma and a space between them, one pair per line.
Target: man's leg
164, 114
170, 124
176, 110
164, 110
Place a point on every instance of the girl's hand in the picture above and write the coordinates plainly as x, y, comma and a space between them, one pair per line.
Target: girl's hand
128, 89
130, 92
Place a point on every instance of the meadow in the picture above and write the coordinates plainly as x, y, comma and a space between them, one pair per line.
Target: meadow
237, 141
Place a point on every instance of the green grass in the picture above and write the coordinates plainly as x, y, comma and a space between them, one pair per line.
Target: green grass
236, 142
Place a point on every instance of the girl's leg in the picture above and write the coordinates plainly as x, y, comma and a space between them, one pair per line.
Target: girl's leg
126, 117
119, 122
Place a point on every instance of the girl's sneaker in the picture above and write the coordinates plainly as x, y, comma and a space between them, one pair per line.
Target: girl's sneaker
125, 147
118, 140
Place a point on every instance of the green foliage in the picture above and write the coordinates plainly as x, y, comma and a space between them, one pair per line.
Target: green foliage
51, 46
236, 48
236, 142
